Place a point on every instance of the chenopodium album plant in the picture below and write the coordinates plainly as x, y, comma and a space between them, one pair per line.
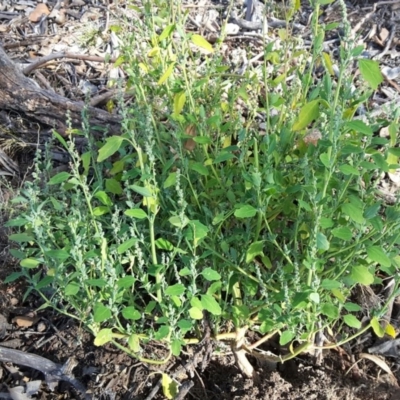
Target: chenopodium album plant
195, 218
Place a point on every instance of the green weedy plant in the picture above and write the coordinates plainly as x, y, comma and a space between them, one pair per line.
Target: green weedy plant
192, 213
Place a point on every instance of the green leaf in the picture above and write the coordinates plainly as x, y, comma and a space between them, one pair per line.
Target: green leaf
122, 248
111, 146
126, 282
361, 275
72, 289
13, 277
372, 211
16, 222
29, 263
200, 168
376, 253
96, 282
59, 178
245, 211
210, 274
210, 304
322, 242
175, 290
354, 212
376, 326
201, 42
370, 71
103, 337
130, 312
176, 347
136, 213
352, 321
324, 157
330, 310
170, 181
330, 284
308, 113
58, 254
352, 307
103, 197
21, 237
195, 313
162, 333
177, 222
164, 244
113, 186
286, 337
347, 169
145, 192
254, 250
134, 342
343, 233
200, 231
101, 313
359, 126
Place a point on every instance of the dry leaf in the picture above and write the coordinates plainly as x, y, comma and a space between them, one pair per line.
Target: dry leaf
312, 137
37, 13
190, 144
25, 321
378, 361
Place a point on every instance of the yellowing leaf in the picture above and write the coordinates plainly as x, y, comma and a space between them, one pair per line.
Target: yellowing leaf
179, 102
169, 386
328, 63
389, 330
202, 43
166, 74
308, 113
377, 327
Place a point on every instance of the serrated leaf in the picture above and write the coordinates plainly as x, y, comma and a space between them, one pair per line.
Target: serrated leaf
202, 43
308, 113
352, 321
361, 275
245, 211
111, 146
210, 274
370, 71
376, 253
103, 337
210, 304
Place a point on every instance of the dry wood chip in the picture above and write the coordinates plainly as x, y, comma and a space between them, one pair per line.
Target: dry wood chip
38, 12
